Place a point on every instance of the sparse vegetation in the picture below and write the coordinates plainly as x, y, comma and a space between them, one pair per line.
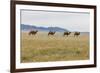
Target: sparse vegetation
43, 48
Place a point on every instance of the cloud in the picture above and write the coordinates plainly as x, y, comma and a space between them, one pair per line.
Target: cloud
69, 20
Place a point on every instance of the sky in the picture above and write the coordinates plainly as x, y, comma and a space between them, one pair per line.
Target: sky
72, 21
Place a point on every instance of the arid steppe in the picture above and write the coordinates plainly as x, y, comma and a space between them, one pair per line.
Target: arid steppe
44, 48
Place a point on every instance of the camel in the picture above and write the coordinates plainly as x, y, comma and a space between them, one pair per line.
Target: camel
67, 33
51, 33
33, 32
77, 34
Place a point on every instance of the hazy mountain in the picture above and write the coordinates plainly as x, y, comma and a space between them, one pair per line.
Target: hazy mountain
25, 27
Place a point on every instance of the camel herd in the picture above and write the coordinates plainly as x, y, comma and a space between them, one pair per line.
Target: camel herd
34, 32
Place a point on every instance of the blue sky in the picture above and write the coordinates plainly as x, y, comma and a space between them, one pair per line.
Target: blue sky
73, 21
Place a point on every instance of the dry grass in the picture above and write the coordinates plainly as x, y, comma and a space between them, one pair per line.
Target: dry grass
43, 48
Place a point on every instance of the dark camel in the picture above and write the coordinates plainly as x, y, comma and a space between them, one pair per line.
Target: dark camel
67, 33
33, 32
77, 34
51, 33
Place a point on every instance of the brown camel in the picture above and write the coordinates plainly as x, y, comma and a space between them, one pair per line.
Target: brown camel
33, 32
51, 33
77, 34
67, 33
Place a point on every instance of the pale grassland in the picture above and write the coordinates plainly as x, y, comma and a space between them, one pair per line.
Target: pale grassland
43, 48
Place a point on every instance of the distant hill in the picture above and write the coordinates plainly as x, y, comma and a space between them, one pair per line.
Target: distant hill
25, 27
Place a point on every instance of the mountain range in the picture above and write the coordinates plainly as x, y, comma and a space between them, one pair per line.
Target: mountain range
25, 27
